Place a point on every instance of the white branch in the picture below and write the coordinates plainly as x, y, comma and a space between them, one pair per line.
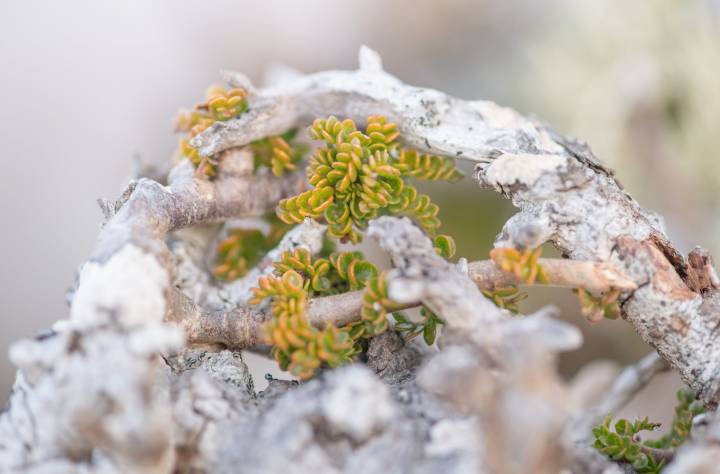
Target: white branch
427, 119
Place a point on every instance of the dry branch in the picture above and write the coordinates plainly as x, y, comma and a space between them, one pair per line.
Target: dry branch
565, 194
94, 395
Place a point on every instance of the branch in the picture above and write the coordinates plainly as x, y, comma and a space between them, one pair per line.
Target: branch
427, 119
627, 384
593, 276
565, 195
152, 210
479, 342
241, 328
67, 414
589, 217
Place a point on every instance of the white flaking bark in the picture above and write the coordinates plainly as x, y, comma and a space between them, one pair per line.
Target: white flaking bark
427, 119
521, 414
93, 395
587, 216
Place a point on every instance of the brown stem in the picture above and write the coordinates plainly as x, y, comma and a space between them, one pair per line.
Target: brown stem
242, 328
593, 276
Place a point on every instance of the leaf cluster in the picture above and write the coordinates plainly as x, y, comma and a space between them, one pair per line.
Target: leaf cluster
357, 176
220, 105
300, 347
297, 345
275, 152
620, 442
506, 297
523, 264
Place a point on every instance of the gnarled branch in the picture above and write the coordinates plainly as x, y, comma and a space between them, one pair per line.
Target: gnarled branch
95, 395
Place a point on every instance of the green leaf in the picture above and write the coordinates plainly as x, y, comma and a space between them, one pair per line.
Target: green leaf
364, 271
444, 245
640, 462
429, 332
622, 426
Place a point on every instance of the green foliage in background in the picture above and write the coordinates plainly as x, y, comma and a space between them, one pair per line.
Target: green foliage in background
243, 248
277, 153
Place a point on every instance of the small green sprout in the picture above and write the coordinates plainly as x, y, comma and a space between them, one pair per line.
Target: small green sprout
444, 246
622, 441
506, 297
595, 308
410, 329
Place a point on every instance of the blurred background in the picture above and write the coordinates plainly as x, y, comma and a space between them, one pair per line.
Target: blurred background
86, 87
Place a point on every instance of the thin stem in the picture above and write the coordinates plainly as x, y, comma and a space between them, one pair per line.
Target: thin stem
242, 328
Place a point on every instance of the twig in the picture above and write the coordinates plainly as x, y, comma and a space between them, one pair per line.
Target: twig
630, 381
426, 118
241, 328
593, 276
